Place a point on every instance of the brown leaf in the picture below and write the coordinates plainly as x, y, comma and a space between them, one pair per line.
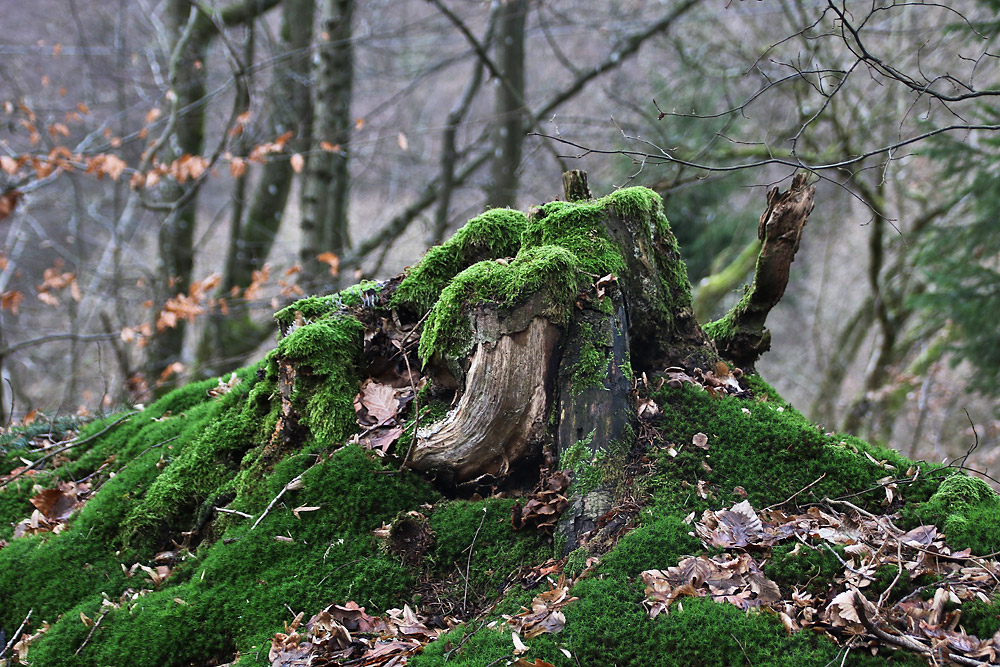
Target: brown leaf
332, 260
380, 401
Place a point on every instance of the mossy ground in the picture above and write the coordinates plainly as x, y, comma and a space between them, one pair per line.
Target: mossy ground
232, 585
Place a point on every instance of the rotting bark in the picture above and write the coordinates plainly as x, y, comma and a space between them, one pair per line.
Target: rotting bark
502, 416
741, 336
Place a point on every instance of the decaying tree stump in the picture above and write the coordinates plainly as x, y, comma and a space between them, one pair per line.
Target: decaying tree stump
543, 347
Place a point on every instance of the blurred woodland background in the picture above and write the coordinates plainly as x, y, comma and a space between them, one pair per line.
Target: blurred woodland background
172, 172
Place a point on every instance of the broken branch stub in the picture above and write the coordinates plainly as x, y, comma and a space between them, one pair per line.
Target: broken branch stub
740, 335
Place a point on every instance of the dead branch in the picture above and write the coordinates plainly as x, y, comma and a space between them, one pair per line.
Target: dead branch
741, 335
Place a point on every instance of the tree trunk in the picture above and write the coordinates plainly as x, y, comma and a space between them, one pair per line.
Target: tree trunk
741, 335
546, 365
510, 110
229, 339
325, 193
176, 233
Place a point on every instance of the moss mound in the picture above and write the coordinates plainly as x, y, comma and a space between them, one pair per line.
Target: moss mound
214, 516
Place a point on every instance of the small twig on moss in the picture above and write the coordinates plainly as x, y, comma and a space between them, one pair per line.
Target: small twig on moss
742, 649
91, 633
236, 512
791, 497
13, 637
62, 449
502, 659
843, 562
293, 485
468, 564
466, 637
899, 571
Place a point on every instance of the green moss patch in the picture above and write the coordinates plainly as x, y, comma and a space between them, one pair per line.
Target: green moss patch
492, 235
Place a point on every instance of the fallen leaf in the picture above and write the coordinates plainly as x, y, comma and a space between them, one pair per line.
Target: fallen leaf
304, 508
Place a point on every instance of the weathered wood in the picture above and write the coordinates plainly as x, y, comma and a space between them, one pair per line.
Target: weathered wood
575, 185
593, 416
741, 336
503, 413
663, 330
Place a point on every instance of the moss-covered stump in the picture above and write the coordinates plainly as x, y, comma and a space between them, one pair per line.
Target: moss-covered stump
207, 528
541, 345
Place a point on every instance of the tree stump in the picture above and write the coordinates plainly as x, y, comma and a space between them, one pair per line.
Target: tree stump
543, 347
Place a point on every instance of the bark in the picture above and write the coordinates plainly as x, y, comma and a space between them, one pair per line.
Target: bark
741, 335
192, 29
176, 233
502, 416
510, 110
325, 192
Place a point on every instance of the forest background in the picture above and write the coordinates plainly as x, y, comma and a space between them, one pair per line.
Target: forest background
173, 172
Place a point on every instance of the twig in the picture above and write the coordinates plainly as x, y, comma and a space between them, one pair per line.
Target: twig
501, 659
789, 498
57, 336
236, 512
14, 636
10, 415
468, 564
91, 633
905, 641
416, 399
291, 486
465, 638
899, 571
70, 445
847, 567
742, 649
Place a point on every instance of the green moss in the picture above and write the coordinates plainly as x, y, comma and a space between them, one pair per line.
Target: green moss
608, 625
492, 235
327, 354
770, 451
234, 591
812, 570
981, 619
592, 368
476, 538
576, 227
959, 493
550, 271
966, 509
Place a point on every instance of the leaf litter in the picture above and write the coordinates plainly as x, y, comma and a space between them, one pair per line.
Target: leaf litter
737, 576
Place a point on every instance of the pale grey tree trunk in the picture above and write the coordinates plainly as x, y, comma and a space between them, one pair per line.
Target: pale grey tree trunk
510, 111
325, 192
